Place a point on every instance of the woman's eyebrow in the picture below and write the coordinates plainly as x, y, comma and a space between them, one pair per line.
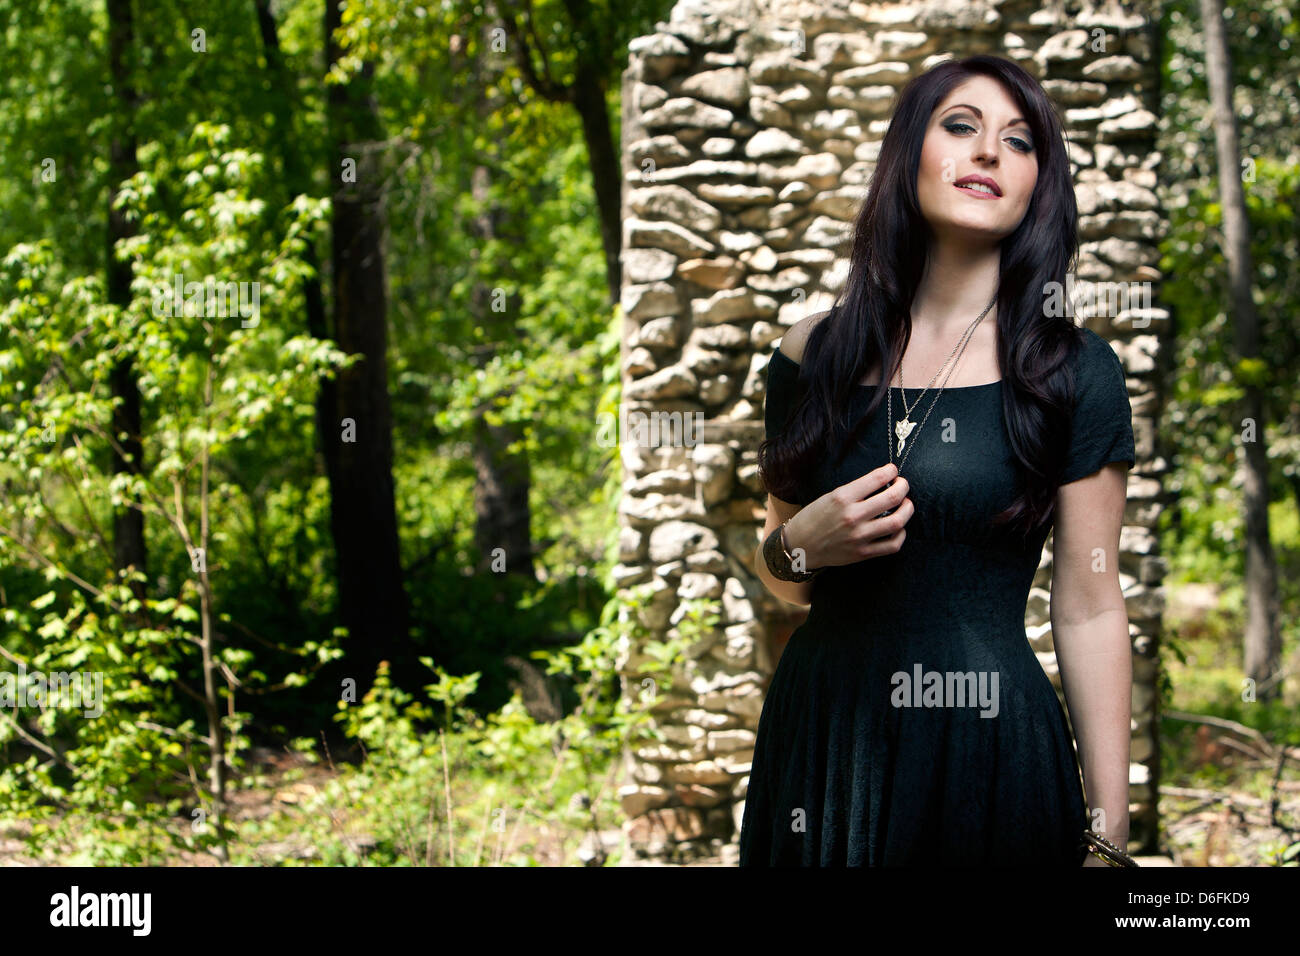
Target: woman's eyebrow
975, 109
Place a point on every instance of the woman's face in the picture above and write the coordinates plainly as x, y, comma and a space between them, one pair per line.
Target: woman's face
976, 131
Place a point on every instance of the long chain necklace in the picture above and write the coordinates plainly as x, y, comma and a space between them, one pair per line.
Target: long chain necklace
903, 428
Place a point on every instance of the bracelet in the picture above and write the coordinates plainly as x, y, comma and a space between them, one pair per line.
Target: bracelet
780, 561
1099, 846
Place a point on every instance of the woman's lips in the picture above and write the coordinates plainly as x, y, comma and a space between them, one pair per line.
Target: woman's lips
975, 192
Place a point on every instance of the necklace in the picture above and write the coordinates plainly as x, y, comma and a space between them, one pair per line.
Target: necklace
903, 428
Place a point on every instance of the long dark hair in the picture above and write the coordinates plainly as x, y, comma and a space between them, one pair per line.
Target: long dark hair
871, 317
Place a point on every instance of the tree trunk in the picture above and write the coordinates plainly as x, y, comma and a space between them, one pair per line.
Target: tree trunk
298, 182
589, 40
1263, 641
503, 528
372, 598
128, 523
606, 168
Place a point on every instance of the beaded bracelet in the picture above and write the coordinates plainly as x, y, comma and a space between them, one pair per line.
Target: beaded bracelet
1099, 846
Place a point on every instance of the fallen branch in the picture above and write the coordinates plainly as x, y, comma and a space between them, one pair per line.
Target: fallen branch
1231, 726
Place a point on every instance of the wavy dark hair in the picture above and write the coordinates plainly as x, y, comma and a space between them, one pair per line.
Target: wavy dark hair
871, 317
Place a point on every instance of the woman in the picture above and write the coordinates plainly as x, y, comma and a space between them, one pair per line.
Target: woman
908, 720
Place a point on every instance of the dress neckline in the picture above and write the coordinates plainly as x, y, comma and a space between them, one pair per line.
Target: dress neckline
946, 388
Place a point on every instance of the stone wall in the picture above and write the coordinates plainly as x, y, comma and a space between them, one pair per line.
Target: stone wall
750, 131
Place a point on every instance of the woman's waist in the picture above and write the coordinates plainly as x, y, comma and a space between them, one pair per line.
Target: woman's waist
992, 638
881, 658
924, 588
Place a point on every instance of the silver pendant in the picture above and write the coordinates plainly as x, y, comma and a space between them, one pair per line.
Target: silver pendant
902, 429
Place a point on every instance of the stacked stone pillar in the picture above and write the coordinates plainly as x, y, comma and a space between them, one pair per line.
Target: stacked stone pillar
750, 131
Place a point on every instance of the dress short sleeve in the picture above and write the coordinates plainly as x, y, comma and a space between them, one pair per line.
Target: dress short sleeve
783, 391
1102, 423
782, 388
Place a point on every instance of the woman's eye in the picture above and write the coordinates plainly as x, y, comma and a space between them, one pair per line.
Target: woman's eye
958, 128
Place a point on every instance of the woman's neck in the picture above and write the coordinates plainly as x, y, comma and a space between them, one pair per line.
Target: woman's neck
959, 281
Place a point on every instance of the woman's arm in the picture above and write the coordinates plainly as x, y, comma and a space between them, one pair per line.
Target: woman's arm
792, 592
1090, 633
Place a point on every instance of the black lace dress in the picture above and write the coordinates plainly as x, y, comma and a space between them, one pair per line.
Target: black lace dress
908, 720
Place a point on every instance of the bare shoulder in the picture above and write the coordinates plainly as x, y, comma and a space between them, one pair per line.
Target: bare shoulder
792, 343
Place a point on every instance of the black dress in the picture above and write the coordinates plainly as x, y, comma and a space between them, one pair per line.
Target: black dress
863, 756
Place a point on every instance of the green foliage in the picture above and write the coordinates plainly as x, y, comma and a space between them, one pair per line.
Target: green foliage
1202, 426
1205, 678
1202, 429
422, 798
209, 387
232, 175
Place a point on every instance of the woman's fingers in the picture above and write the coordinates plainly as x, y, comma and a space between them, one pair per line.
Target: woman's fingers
883, 546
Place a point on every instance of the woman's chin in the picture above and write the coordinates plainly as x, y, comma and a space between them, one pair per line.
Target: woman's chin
970, 229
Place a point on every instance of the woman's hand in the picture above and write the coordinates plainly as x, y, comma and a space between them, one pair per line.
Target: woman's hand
845, 526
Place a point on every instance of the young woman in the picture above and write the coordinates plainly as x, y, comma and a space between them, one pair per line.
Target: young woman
908, 720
